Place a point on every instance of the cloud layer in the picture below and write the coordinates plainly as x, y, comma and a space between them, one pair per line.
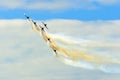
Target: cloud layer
55, 4
24, 55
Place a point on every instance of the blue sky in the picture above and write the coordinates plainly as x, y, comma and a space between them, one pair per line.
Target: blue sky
71, 9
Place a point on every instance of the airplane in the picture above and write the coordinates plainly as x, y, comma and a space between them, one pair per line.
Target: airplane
39, 25
48, 39
45, 25
26, 16
42, 28
55, 52
31, 21
34, 23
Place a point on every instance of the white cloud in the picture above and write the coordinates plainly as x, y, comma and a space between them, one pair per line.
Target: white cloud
24, 55
101, 28
54, 4
36, 4
108, 2
6, 4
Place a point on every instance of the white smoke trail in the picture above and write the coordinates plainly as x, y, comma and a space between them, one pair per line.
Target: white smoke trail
82, 42
82, 53
81, 57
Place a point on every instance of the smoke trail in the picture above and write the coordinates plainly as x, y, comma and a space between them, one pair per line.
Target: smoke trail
83, 43
70, 52
81, 53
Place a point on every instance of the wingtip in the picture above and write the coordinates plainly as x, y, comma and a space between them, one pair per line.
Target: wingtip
25, 15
